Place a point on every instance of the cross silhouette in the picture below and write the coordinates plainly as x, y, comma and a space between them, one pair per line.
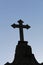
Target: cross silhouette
20, 26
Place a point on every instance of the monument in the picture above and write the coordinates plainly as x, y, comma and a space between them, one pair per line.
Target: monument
23, 53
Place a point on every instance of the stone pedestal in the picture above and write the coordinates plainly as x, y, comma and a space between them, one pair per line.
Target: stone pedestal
23, 55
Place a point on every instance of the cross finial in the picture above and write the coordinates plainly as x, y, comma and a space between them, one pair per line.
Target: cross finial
20, 21
20, 26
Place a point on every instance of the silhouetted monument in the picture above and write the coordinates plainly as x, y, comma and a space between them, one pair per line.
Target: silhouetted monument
21, 26
23, 53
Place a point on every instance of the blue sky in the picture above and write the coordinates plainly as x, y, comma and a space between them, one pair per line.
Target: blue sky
31, 12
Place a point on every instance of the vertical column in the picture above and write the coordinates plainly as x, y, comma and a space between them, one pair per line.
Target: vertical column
21, 31
21, 34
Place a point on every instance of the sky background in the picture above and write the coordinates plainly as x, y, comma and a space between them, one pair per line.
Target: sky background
31, 12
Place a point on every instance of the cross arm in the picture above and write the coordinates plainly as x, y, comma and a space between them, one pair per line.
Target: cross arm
20, 26
27, 26
14, 25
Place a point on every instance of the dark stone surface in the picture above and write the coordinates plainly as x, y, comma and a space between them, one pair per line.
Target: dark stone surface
24, 55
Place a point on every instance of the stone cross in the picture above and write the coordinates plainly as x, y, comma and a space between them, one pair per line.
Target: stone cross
20, 26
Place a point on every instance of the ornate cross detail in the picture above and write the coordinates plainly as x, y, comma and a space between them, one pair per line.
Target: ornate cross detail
20, 26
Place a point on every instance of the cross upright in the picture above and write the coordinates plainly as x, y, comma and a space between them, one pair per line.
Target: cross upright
20, 26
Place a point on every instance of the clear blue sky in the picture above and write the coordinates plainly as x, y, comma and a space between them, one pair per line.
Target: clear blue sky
31, 12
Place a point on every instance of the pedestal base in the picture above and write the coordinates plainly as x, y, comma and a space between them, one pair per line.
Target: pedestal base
23, 55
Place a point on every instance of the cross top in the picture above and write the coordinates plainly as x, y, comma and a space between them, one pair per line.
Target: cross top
20, 26
20, 21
